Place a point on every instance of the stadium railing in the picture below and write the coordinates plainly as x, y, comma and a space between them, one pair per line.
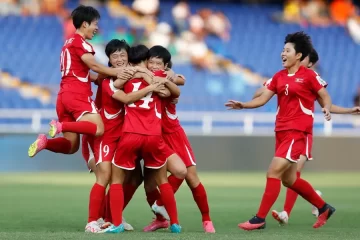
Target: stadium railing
195, 123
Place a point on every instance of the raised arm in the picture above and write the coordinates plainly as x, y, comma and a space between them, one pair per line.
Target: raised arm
340, 110
259, 92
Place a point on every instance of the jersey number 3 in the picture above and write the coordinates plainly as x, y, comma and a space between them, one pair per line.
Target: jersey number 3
146, 100
286, 89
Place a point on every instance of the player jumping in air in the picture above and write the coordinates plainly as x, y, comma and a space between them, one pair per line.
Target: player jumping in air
297, 88
76, 111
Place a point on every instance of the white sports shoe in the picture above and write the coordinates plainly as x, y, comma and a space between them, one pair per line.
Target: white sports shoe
314, 209
127, 226
160, 210
93, 227
281, 217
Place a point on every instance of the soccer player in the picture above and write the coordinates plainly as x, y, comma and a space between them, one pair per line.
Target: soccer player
76, 111
175, 137
112, 104
141, 138
291, 196
297, 87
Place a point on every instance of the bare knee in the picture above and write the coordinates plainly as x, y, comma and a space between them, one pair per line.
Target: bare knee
192, 179
287, 182
103, 173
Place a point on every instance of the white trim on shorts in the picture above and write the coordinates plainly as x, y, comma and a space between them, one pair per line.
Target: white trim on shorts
92, 111
191, 159
288, 154
157, 167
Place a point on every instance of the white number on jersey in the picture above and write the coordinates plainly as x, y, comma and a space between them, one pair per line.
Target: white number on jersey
286, 89
65, 55
106, 150
146, 100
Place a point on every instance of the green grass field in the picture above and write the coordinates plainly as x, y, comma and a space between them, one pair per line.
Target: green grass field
37, 206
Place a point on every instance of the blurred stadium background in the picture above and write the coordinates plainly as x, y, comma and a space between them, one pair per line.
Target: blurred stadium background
226, 50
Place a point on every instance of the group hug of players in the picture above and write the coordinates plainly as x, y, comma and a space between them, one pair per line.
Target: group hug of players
131, 133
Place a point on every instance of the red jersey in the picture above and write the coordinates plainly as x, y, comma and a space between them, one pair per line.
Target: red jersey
296, 95
75, 74
142, 116
112, 110
170, 122
98, 97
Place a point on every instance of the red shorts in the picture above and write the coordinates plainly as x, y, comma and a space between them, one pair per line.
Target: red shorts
70, 107
308, 147
179, 142
105, 147
290, 144
87, 148
132, 146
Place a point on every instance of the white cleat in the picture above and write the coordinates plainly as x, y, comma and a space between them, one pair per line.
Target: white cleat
281, 217
93, 227
160, 210
127, 226
314, 209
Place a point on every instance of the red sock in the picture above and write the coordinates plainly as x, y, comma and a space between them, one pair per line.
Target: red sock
116, 203
59, 145
175, 184
290, 198
97, 195
151, 198
129, 191
82, 127
107, 213
168, 198
200, 198
272, 191
304, 189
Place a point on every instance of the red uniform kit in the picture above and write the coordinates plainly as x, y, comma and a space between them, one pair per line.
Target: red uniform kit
87, 141
74, 97
174, 135
295, 116
142, 131
112, 114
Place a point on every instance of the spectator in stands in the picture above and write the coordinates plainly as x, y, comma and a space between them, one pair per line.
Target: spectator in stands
291, 13
161, 36
9, 7
148, 8
68, 27
341, 11
122, 33
181, 13
316, 13
353, 26
217, 23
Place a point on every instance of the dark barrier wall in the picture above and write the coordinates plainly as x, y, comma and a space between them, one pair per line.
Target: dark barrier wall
212, 154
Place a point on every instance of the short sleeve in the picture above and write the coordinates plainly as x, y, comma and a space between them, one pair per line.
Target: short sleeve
82, 47
271, 84
316, 82
108, 87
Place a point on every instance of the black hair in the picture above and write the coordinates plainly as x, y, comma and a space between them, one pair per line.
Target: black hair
160, 52
302, 43
84, 14
138, 54
313, 56
116, 45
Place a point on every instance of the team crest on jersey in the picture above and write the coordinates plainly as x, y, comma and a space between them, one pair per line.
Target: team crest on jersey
299, 80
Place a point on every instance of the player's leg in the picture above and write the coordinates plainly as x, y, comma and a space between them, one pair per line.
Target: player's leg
200, 197
177, 168
156, 153
291, 196
83, 110
168, 198
152, 195
133, 180
124, 160
288, 147
305, 190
